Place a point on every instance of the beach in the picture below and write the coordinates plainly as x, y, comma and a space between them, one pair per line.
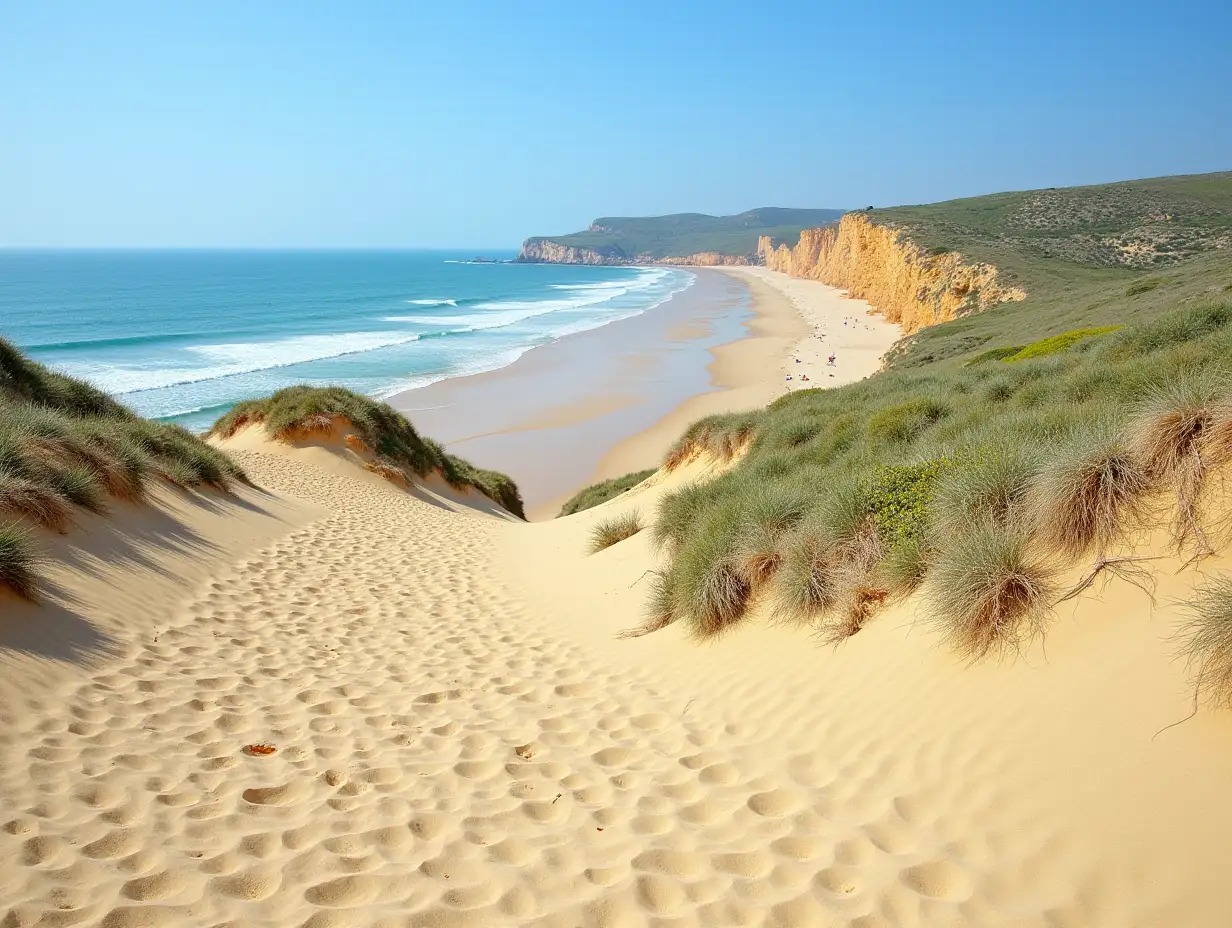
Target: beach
612, 401
329, 702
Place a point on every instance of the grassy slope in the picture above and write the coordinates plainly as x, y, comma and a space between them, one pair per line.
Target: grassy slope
1061, 246
690, 233
67, 447
850, 495
396, 444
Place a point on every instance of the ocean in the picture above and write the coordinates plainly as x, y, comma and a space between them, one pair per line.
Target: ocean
183, 335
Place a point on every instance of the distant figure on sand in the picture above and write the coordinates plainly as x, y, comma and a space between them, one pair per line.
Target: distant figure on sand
830, 360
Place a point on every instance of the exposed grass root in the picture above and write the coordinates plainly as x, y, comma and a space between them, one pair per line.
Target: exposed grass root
1127, 568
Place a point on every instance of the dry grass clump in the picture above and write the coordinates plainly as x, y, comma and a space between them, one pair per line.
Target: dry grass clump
1206, 642
379, 428
769, 514
613, 530
18, 561
827, 575
987, 593
1169, 438
387, 471
1090, 493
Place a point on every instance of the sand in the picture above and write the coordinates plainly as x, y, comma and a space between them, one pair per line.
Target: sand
462, 739
792, 319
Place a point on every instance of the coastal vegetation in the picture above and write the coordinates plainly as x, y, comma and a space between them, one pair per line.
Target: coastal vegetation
973, 483
374, 428
622, 239
601, 492
996, 450
68, 448
616, 529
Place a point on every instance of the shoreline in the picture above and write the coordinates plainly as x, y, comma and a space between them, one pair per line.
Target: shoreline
548, 418
751, 372
612, 400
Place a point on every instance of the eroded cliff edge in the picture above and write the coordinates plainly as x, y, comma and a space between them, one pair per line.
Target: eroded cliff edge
881, 264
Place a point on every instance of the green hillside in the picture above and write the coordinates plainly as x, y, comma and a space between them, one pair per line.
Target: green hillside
997, 450
1076, 251
691, 233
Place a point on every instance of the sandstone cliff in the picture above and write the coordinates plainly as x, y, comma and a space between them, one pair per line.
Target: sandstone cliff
882, 265
543, 251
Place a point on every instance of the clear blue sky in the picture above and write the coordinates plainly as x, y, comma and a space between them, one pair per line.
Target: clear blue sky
477, 124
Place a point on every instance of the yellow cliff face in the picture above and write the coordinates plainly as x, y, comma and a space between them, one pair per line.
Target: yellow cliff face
880, 264
705, 259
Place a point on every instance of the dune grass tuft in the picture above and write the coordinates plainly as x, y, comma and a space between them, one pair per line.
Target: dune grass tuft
18, 561
1169, 436
613, 530
987, 593
1206, 642
1091, 492
989, 484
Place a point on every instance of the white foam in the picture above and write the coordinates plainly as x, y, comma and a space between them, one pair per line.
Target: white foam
235, 358
434, 302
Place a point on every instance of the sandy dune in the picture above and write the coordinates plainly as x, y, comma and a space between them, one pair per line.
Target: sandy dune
463, 740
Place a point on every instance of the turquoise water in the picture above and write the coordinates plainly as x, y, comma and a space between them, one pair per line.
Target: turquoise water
183, 335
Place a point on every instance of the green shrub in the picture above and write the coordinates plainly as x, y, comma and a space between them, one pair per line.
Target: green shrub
900, 499
601, 492
905, 421
1057, 343
994, 354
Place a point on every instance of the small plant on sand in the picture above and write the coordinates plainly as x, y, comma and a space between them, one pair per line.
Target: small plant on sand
987, 593
613, 530
1206, 642
18, 561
